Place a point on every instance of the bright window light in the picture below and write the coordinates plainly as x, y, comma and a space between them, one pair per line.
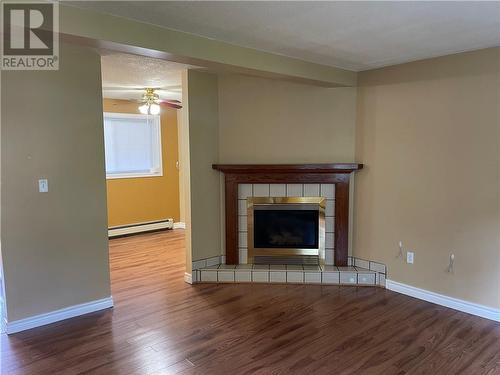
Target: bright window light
132, 145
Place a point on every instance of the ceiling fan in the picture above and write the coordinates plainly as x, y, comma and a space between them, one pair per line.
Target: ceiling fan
150, 103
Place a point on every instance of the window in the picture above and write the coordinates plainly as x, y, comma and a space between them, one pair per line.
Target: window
132, 145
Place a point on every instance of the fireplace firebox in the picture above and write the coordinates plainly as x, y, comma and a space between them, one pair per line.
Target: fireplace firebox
287, 230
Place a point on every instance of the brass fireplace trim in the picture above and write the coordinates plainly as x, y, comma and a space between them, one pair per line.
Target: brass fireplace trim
319, 202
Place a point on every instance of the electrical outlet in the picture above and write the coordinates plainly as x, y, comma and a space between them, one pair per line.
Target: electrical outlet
43, 185
409, 257
400, 252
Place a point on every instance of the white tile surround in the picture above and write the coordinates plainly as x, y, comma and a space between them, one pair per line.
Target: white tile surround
358, 272
286, 190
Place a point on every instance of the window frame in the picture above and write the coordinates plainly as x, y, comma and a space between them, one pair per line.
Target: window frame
156, 123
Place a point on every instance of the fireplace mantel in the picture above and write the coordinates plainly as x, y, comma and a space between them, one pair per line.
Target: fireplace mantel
332, 173
289, 168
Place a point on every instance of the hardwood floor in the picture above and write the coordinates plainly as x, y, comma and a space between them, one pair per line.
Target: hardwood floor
161, 325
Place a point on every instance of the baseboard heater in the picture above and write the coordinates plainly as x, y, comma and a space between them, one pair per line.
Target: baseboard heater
140, 227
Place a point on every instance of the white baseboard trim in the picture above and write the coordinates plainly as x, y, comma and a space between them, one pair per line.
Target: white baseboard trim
188, 278
140, 227
180, 225
58, 315
440, 299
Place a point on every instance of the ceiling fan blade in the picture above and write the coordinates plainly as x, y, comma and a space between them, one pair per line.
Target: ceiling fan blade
124, 88
143, 88
170, 101
171, 105
161, 101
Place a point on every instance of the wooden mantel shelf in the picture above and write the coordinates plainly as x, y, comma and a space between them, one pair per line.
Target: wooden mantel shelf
288, 168
333, 173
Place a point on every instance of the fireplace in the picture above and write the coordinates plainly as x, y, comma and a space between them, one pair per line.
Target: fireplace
286, 230
335, 174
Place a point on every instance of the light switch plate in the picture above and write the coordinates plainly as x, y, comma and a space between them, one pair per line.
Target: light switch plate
409, 257
43, 185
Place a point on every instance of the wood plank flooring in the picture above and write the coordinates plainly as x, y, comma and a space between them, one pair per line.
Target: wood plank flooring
161, 325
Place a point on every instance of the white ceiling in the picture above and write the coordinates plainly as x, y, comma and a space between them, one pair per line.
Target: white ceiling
126, 76
351, 35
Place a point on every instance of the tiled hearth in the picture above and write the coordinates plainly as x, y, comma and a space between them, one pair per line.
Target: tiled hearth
360, 272
357, 272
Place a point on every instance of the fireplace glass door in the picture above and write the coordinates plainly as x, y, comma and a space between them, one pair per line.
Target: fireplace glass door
286, 230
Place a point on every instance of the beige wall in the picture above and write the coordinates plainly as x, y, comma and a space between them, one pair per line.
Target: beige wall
202, 111
271, 121
54, 245
429, 134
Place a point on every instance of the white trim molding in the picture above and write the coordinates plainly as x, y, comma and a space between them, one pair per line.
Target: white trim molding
188, 278
180, 225
440, 299
140, 227
58, 315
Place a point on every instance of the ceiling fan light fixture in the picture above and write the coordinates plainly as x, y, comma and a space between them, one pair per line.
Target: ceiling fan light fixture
154, 109
150, 104
144, 109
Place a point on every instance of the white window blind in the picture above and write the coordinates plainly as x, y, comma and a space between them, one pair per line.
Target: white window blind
132, 145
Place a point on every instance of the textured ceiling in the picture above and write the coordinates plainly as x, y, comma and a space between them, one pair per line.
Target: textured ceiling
351, 35
123, 74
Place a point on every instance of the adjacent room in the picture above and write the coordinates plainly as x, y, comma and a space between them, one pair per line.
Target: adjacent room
141, 114
250, 188
141, 100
